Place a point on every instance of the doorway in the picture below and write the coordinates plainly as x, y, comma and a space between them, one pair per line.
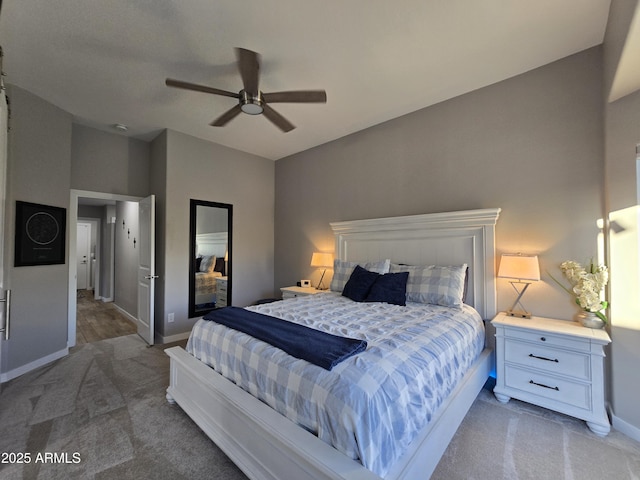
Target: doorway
92, 317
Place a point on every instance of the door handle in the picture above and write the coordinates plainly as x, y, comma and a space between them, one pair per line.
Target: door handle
151, 277
7, 311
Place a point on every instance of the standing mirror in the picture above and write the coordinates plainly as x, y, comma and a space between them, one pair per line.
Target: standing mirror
209, 256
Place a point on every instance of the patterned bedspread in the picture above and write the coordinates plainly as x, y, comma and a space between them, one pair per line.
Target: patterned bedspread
372, 405
206, 282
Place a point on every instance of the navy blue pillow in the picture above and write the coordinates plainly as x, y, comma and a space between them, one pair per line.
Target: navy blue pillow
359, 284
390, 288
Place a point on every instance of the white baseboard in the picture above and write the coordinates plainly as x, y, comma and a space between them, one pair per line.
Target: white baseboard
625, 427
172, 338
157, 339
16, 372
106, 299
125, 313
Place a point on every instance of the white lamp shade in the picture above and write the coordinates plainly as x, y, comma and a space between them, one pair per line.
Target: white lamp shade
322, 260
522, 267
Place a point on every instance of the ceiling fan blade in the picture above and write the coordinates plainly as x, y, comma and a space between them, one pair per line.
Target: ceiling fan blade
298, 96
249, 66
279, 121
226, 117
170, 82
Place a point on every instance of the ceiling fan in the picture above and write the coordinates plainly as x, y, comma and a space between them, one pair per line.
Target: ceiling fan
250, 99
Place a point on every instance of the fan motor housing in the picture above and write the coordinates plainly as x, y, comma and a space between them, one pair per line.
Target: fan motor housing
250, 104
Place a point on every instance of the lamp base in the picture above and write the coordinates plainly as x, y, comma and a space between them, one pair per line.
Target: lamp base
320, 285
518, 313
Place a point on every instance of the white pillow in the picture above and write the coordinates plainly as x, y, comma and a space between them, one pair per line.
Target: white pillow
435, 284
342, 271
207, 263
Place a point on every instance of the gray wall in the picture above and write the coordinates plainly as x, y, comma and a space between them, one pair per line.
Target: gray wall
158, 185
126, 257
109, 163
531, 145
38, 171
112, 163
205, 171
621, 14
622, 134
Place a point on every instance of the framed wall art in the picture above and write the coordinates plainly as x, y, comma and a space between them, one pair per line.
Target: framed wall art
40, 234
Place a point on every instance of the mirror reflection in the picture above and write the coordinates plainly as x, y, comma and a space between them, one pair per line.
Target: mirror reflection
210, 256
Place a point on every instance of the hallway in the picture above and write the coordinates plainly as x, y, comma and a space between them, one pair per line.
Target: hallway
97, 320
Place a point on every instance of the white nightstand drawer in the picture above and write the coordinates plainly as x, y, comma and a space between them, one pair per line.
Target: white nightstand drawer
550, 387
549, 359
544, 338
293, 292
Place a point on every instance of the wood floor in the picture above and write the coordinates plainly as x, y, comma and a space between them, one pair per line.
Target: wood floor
97, 320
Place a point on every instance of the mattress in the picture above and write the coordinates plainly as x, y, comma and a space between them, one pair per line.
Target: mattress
372, 405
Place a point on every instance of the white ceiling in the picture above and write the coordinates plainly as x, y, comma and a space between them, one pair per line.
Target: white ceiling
105, 61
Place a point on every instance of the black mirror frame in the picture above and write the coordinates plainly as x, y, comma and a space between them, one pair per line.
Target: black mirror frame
193, 204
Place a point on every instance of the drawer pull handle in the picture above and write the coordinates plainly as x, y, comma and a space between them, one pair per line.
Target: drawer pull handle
544, 358
545, 386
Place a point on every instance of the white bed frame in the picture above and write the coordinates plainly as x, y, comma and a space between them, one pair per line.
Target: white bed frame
267, 446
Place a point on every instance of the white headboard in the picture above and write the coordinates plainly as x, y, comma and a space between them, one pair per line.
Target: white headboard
212, 244
450, 238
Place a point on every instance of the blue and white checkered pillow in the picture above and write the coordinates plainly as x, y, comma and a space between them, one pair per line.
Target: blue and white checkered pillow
207, 263
342, 271
438, 285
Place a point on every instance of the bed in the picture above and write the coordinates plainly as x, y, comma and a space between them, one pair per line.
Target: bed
209, 265
206, 281
267, 445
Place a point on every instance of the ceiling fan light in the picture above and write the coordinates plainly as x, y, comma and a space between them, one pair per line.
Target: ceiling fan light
249, 104
251, 108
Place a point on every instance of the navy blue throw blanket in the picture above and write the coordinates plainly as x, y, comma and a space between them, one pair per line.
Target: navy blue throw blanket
321, 348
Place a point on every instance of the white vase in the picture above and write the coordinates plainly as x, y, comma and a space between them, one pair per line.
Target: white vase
590, 320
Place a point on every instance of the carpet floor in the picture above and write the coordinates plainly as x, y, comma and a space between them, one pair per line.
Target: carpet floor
101, 413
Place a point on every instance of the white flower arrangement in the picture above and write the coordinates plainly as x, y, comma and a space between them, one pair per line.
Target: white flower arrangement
587, 285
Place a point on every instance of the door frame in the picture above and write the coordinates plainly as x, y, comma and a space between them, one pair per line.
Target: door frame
72, 220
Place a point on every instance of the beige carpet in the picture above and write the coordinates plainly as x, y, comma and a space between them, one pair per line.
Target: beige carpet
101, 413
519, 441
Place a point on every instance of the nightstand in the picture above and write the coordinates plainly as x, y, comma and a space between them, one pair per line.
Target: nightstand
221, 291
555, 364
292, 292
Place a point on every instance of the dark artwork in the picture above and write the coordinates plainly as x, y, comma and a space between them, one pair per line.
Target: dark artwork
40, 234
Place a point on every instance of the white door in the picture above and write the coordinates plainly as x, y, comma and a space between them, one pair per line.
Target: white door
4, 295
146, 268
82, 254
